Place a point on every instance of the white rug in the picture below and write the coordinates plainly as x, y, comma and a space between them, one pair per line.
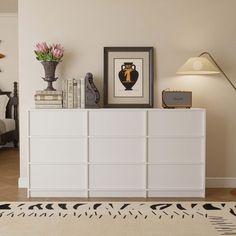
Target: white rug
117, 219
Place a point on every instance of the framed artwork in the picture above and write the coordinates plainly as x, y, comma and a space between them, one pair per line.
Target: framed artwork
128, 77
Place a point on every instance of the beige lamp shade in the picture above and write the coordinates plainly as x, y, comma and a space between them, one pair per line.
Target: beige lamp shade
197, 66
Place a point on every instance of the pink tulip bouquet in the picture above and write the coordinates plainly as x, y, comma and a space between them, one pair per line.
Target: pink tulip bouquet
46, 52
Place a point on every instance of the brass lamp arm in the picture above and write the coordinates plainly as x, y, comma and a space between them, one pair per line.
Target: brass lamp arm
211, 57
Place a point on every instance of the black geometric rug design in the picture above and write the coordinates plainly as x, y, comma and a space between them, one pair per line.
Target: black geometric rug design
220, 215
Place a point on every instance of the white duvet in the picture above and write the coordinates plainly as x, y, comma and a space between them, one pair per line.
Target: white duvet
7, 125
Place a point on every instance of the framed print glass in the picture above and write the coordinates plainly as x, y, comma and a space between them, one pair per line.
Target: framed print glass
128, 77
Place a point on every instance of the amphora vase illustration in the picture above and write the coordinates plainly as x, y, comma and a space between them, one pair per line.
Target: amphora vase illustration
128, 75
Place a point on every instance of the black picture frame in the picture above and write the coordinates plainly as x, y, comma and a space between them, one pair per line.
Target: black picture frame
121, 89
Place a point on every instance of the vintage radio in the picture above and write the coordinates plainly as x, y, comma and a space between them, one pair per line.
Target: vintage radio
176, 99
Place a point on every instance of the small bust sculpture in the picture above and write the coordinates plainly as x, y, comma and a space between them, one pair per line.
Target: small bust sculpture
92, 95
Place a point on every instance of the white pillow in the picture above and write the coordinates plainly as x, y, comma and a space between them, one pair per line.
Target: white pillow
3, 104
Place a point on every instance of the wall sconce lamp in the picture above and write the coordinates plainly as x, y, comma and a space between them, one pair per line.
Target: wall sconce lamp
202, 66
1, 55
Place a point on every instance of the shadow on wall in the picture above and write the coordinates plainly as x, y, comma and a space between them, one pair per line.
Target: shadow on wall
216, 144
8, 6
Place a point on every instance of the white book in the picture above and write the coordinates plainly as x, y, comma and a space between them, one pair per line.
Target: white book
82, 98
75, 92
79, 93
70, 96
45, 92
53, 102
64, 94
47, 97
53, 106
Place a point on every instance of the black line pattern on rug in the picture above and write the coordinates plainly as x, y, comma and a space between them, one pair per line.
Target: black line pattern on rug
158, 206
115, 210
222, 225
113, 215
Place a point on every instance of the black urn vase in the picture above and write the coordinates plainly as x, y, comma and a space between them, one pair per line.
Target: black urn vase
50, 68
128, 75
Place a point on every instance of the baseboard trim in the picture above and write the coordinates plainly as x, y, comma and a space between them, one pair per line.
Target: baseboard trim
212, 182
23, 182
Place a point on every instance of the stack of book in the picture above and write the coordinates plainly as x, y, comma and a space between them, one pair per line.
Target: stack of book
74, 93
48, 99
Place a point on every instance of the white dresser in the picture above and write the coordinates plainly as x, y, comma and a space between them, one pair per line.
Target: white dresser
116, 153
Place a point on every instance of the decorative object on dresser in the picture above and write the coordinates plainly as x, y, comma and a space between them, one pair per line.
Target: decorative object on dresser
72, 93
80, 93
9, 123
48, 99
176, 99
128, 77
50, 56
116, 153
92, 95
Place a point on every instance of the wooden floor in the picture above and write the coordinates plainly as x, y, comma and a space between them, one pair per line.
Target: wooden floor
9, 174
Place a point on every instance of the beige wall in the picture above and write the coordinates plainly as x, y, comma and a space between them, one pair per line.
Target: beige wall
7, 6
8, 47
177, 29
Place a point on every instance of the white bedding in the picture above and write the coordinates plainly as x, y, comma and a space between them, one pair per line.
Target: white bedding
3, 104
7, 125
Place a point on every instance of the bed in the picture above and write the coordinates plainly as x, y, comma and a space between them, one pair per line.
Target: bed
9, 123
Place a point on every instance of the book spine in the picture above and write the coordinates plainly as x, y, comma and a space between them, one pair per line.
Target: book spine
43, 92
47, 97
70, 95
48, 106
75, 98
53, 102
64, 93
82, 89
79, 93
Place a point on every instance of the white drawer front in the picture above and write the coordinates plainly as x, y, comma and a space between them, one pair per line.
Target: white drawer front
184, 122
176, 150
117, 123
57, 150
117, 193
117, 150
58, 176
57, 123
58, 193
119, 176
175, 176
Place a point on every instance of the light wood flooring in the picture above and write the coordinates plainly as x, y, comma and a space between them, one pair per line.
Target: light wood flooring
9, 174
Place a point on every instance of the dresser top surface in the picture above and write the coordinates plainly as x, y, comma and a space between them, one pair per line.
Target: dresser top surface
121, 109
